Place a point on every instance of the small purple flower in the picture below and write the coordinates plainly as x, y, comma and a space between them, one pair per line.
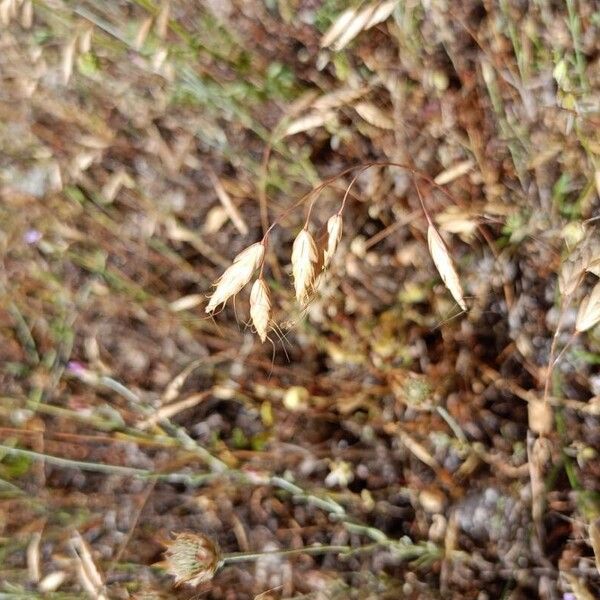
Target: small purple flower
76, 368
569, 596
32, 236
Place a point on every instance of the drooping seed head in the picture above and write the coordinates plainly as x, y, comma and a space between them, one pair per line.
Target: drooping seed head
260, 308
191, 559
237, 275
334, 235
589, 311
445, 266
304, 259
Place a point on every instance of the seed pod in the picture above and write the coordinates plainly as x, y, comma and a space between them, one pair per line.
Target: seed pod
237, 275
334, 231
445, 266
260, 308
304, 259
191, 559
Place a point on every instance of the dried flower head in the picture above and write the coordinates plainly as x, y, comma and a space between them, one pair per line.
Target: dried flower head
191, 558
260, 307
334, 235
445, 266
589, 311
304, 260
237, 275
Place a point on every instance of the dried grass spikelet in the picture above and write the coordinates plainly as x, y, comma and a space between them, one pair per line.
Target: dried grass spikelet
260, 308
304, 259
374, 115
334, 235
443, 262
191, 558
352, 21
589, 311
237, 275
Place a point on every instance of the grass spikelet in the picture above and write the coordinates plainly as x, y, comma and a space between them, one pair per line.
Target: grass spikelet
445, 266
304, 259
589, 311
338, 26
374, 115
260, 307
237, 275
334, 235
351, 22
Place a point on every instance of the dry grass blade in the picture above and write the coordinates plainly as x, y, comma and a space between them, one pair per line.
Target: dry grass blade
260, 308
228, 205
445, 266
589, 311
237, 275
68, 56
578, 587
304, 259
6, 9
170, 410
162, 20
142, 33
87, 572
334, 235
27, 14
85, 40
33, 557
